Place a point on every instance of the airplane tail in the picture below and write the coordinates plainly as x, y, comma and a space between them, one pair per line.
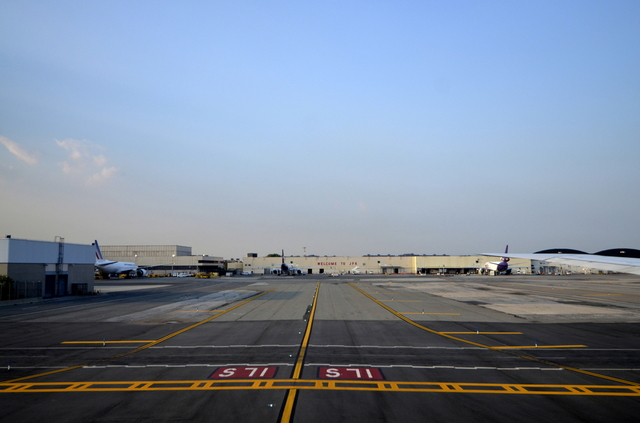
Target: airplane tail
98, 252
506, 251
284, 269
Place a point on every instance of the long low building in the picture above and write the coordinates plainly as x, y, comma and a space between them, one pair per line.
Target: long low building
164, 259
46, 269
405, 264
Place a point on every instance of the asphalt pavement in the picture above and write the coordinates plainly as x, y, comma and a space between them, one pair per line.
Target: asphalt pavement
356, 348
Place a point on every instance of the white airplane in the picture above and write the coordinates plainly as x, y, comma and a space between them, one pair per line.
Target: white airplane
108, 267
595, 261
501, 267
355, 270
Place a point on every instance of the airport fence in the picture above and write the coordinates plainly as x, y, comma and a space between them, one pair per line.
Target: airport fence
20, 289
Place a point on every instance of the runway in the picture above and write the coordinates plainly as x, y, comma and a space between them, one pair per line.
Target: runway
317, 349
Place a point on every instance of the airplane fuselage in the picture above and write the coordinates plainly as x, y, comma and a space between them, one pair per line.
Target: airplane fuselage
117, 267
109, 267
498, 266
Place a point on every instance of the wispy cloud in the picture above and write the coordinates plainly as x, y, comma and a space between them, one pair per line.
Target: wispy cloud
102, 176
18, 151
79, 156
86, 160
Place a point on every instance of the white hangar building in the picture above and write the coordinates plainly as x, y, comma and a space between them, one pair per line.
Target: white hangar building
47, 269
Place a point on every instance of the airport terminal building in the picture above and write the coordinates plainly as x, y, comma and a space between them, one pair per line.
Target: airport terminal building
378, 264
425, 264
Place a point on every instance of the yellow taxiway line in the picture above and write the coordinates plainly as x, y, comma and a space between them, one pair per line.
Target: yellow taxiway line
312, 384
287, 410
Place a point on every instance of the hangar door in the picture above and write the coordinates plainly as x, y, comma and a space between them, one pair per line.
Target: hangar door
53, 290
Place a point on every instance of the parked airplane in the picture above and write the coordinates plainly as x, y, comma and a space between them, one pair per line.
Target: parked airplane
594, 261
500, 267
285, 269
355, 270
108, 267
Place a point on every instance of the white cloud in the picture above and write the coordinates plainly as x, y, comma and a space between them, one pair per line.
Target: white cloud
86, 160
100, 160
79, 155
102, 176
18, 151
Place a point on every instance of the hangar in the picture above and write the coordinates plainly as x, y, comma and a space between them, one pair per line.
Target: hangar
164, 259
46, 269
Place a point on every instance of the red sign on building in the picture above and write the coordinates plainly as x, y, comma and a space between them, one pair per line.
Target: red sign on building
366, 373
242, 372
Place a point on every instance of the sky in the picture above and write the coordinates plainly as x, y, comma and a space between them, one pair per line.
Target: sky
329, 128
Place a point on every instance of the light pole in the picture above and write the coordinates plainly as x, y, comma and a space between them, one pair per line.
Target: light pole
173, 259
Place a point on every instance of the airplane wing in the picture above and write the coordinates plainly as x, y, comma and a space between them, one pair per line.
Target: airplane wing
614, 264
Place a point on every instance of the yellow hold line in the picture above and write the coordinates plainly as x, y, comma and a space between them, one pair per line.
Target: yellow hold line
322, 384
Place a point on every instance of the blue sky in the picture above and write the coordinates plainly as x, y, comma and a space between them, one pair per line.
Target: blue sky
348, 128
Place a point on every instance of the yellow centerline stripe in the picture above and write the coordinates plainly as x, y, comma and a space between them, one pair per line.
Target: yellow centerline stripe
287, 410
549, 363
322, 384
150, 344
